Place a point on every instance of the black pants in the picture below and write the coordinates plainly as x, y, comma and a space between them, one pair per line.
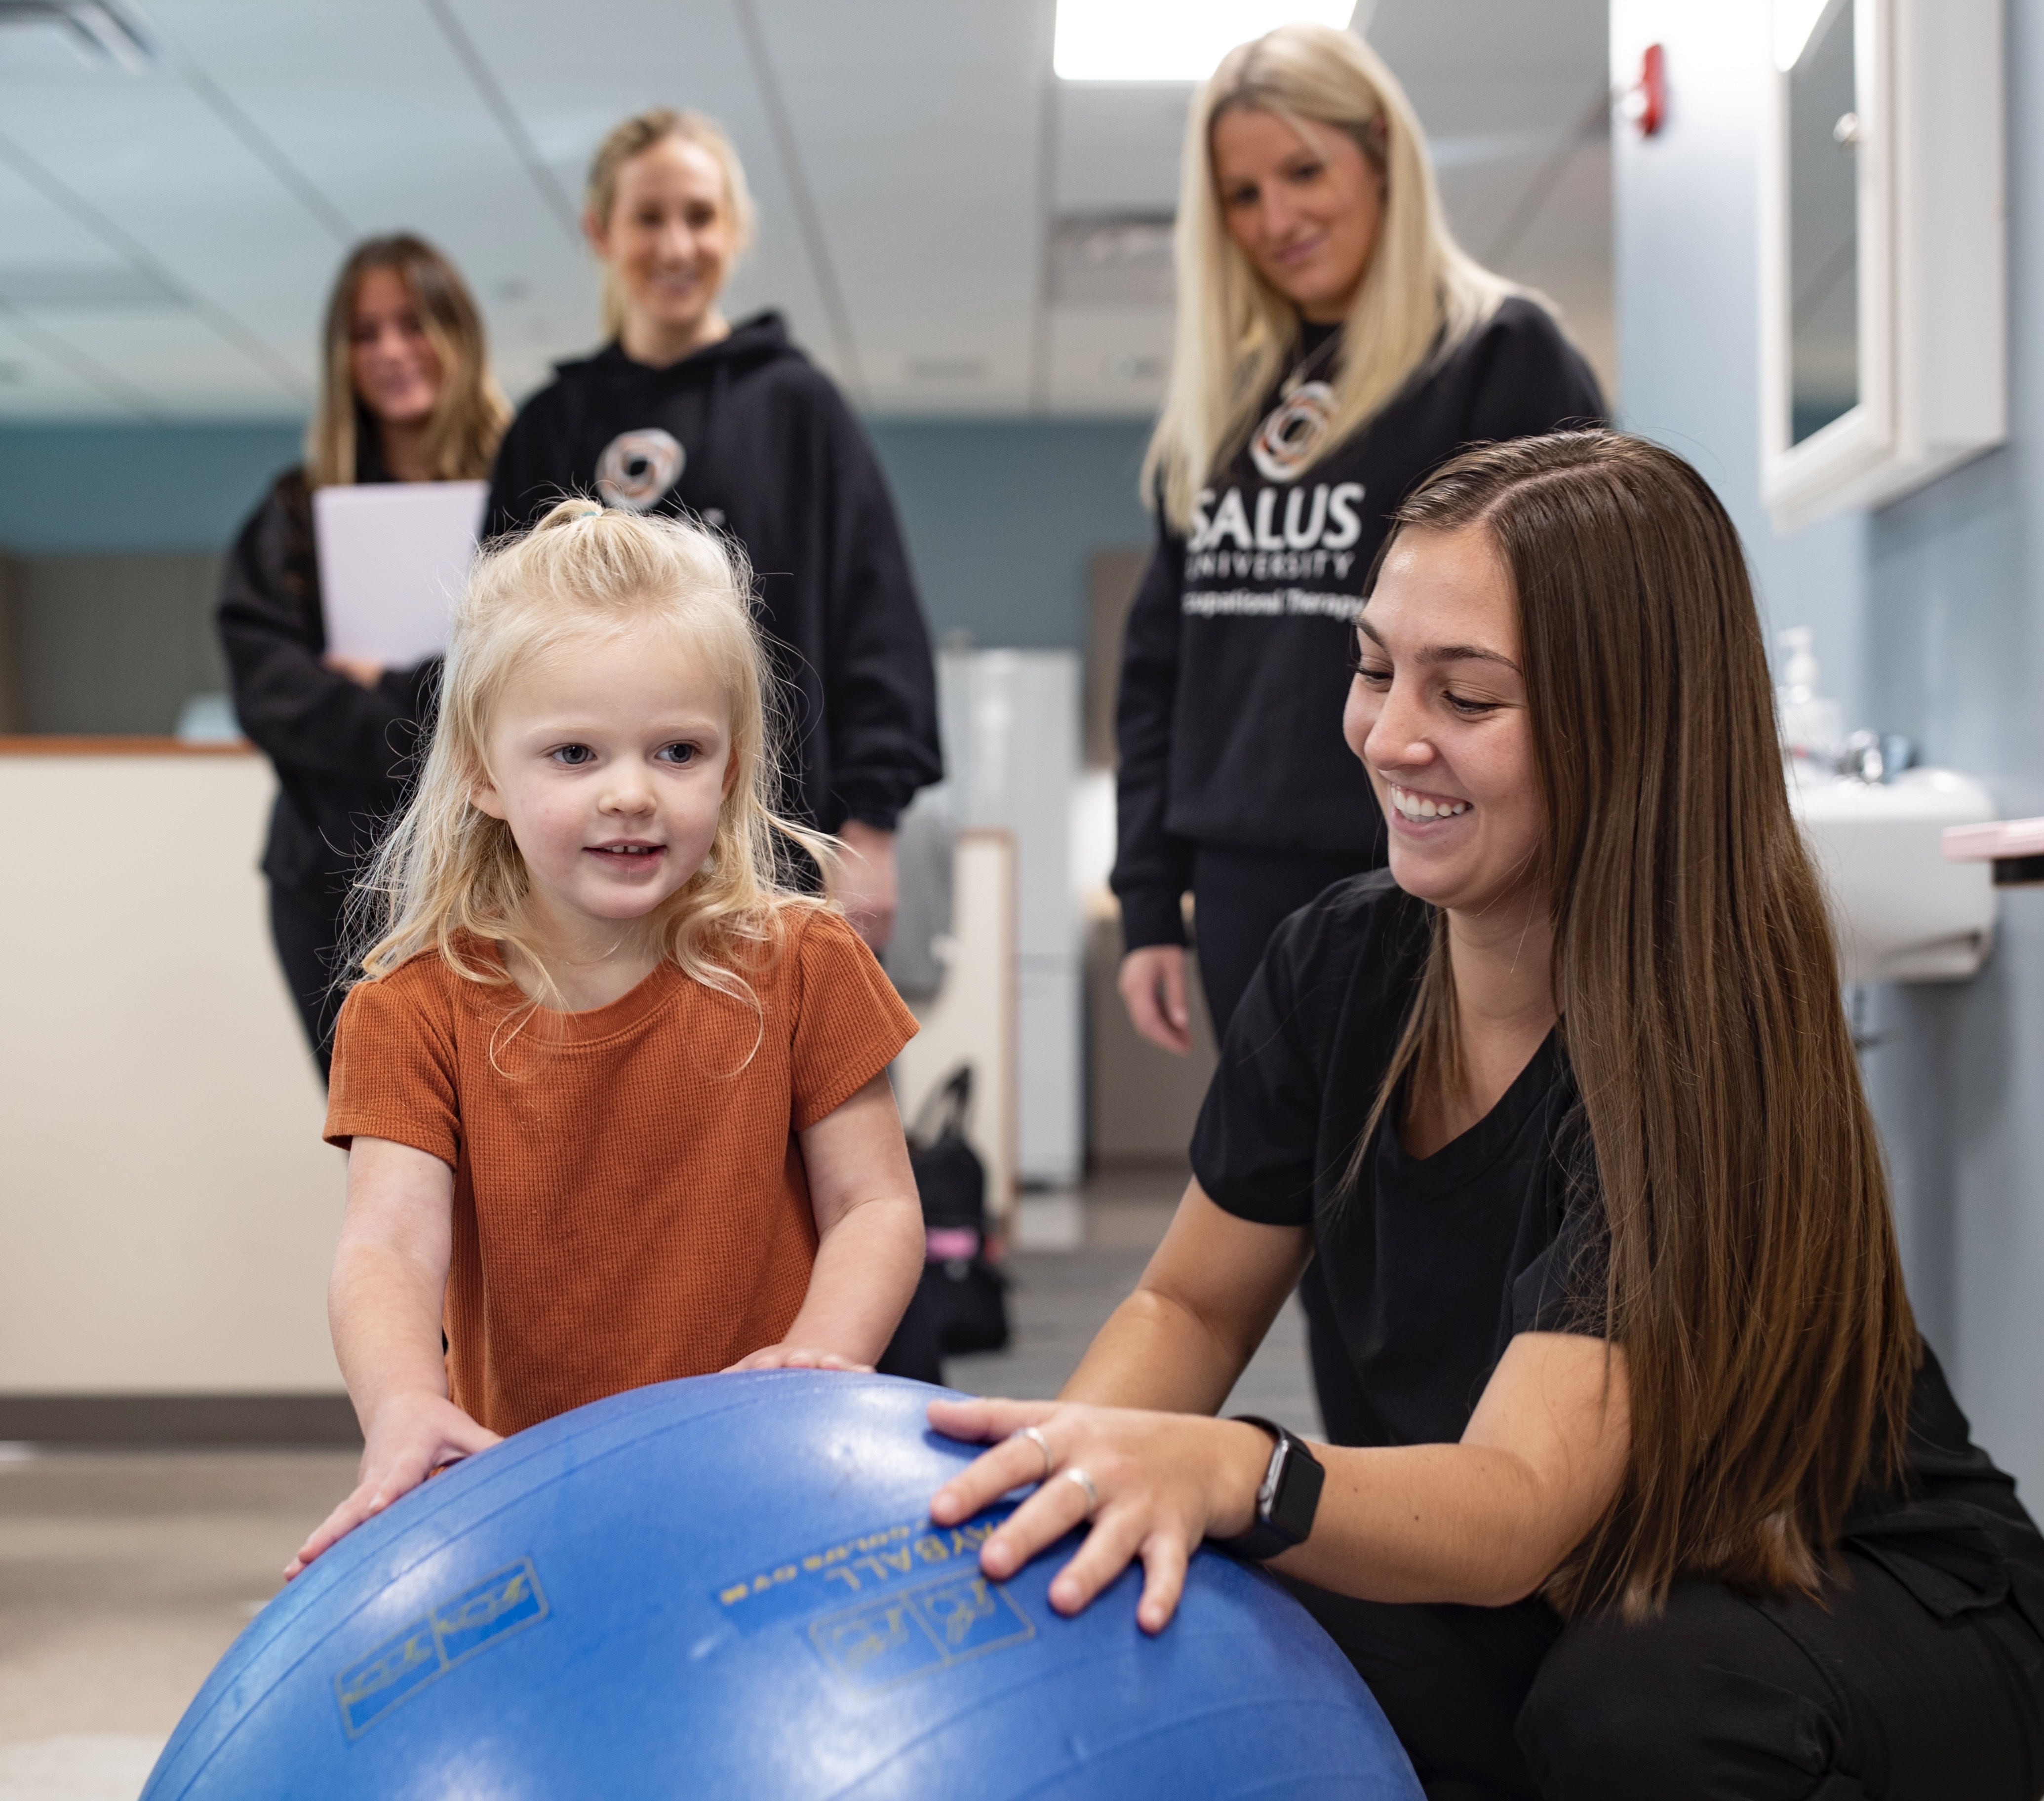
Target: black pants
1240, 897
305, 925
1869, 1696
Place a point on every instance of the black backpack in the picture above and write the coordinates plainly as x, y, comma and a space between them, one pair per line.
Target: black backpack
961, 1303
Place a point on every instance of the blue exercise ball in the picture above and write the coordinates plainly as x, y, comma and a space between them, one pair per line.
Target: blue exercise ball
728, 1586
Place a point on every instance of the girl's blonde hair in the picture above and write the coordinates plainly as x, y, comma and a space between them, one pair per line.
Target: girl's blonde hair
639, 134
1422, 294
471, 412
449, 872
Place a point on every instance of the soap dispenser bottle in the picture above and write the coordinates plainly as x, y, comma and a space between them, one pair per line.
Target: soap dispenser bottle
1809, 722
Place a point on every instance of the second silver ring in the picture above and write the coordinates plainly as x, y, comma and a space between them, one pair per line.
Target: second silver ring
1072, 1473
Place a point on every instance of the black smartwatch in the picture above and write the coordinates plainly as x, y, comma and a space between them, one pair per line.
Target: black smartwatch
1285, 1502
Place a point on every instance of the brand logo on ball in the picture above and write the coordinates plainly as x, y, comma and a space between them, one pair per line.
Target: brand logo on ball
920, 1631
1290, 437
636, 468
888, 1556
428, 1647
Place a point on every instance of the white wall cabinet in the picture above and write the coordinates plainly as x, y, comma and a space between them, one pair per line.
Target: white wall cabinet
1883, 250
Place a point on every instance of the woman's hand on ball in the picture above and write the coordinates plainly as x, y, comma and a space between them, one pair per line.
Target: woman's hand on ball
411, 1436
1164, 1480
796, 1357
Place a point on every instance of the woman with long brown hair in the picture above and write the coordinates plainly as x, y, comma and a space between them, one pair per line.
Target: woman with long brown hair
406, 395
1654, 1489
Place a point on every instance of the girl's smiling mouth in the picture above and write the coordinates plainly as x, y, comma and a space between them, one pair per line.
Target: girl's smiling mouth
626, 850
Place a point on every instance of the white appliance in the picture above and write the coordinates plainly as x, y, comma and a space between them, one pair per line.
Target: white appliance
1011, 722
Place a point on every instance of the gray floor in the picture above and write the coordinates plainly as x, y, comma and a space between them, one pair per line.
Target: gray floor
1061, 1298
124, 1575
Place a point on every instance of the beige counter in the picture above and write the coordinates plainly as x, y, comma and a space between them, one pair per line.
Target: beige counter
166, 1209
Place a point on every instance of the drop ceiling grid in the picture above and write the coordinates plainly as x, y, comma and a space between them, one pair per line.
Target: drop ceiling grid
569, 89
185, 367
918, 122
392, 141
158, 180
40, 384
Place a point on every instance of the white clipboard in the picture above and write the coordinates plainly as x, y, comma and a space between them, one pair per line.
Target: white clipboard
393, 557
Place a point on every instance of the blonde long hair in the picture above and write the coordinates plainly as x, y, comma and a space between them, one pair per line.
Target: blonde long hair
449, 874
471, 412
632, 137
1421, 292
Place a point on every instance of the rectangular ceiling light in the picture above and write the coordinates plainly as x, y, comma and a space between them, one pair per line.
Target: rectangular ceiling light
1178, 40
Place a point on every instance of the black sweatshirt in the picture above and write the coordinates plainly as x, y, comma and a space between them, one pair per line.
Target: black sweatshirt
343, 753
1235, 665
769, 453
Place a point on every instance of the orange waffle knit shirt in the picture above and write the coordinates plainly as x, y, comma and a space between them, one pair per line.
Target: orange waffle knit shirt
629, 1199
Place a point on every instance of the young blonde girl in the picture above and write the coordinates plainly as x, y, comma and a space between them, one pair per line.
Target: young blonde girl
614, 1097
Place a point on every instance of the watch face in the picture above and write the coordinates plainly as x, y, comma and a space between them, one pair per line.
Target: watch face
1298, 1496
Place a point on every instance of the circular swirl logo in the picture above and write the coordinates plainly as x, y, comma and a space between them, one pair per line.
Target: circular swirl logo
636, 468
1290, 437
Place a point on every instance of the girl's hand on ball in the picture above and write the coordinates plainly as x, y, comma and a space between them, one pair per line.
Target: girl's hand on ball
412, 1436
795, 1357
1164, 1480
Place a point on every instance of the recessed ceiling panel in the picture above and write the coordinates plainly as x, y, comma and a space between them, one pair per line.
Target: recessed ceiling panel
623, 57
169, 236
920, 124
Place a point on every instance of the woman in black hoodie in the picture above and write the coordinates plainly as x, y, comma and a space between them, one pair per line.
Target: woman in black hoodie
406, 395
681, 412
1335, 347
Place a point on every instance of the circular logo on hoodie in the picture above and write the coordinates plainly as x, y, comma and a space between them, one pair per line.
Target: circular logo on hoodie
1289, 439
636, 468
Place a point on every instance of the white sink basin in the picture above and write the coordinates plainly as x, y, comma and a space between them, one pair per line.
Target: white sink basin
1901, 912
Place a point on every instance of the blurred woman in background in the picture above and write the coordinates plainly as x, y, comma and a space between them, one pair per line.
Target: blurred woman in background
1334, 346
681, 412
406, 395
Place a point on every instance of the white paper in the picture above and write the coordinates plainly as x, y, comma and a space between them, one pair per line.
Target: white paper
393, 556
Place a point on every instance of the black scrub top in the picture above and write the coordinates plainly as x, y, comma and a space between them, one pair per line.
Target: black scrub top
1434, 1264
344, 754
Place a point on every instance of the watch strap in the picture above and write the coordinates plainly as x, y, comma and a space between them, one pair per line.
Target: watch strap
1286, 1500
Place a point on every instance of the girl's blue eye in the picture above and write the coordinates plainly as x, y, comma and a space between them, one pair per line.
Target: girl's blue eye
574, 756
680, 753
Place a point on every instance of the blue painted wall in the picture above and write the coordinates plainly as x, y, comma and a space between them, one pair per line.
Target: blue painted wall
71, 490
1686, 247
1000, 515
1955, 616
1929, 620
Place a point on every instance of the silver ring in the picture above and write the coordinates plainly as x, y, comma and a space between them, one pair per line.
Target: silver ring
1036, 1439
1072, 1474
